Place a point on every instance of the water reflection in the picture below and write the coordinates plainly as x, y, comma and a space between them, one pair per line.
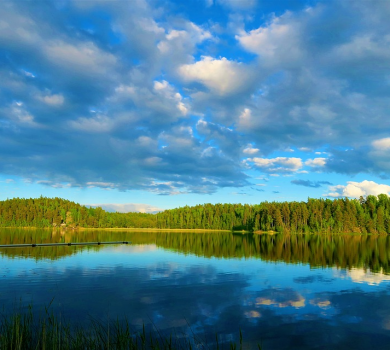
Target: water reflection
343, 251
292, 292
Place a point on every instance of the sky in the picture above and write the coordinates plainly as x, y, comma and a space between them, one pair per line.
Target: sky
146, 105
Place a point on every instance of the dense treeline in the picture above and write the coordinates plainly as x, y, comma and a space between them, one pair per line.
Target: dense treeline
366, 215
49, 212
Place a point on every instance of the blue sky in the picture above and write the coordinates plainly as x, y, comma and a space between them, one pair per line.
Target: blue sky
149, 105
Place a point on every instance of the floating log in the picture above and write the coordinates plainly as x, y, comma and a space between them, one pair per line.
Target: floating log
57, 244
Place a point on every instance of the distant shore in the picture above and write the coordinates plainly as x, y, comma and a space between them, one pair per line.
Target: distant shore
119, 229
150, 229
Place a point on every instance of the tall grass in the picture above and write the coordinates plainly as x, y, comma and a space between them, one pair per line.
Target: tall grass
25, 331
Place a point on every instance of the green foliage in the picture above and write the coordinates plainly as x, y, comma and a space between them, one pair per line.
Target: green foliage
316, 215
370, 215
56, 212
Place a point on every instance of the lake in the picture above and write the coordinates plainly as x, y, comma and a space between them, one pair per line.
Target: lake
285, 291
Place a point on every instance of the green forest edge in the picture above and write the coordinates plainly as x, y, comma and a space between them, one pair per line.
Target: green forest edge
342, 215
23, 331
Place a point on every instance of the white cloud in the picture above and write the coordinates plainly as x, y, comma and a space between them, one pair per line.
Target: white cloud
167, 91
357, 189
308, 103
28, 74
152, 161
278, 164
250, 150
54, 184
150, 25
382, 144
364, 47
52, 100
97, 124
316, 162
8, 181
183, 41
263, 178
147, 142
219, 75
197, 33
127, 207
160, 103
101, 184
82, 57
19, 114
278, 41
245, 118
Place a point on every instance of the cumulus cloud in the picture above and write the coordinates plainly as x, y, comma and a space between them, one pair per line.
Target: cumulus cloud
357, 189
316, 162
158, 102
98, 123
19, 115
52, 100
249, 149
312, 89
127, 207
167, 91
226, 139
100, 184
183, 41
54, 184
148, 99
278, 40
369, 160
382, 144
245, 118
219, 75
277, 165
84, 58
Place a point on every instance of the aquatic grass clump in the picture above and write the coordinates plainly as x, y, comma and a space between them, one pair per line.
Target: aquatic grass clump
23, 331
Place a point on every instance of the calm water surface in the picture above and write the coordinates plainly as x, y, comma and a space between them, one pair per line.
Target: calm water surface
289, 292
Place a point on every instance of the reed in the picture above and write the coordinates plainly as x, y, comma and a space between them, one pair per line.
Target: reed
25, 331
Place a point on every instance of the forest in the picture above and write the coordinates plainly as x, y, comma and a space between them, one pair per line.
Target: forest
342, 215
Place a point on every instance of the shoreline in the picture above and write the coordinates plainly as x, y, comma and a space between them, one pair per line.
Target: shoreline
150, 229
117, 229
143, 229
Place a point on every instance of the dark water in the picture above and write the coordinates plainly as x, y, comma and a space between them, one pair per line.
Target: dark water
289, 292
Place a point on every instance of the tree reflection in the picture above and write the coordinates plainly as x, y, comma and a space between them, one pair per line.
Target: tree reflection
343, 251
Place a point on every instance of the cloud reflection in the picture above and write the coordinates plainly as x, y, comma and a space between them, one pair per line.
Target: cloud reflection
208, 300
360, 275
281, 298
